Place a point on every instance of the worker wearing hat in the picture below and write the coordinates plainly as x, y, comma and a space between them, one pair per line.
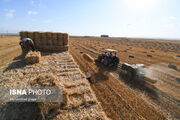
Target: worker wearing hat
27, 44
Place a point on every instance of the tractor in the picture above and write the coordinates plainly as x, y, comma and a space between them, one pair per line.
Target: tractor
134, 70
109, 57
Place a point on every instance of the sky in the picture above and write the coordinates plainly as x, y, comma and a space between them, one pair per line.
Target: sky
116, 18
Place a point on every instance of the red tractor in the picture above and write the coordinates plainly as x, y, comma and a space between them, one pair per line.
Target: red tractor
109, 57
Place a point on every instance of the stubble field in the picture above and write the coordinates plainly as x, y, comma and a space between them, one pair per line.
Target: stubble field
123, 98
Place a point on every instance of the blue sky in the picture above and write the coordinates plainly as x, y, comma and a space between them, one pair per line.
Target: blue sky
118, 18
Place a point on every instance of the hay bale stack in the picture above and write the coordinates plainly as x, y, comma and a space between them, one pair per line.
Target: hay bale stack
49, 38
88, 58
36, 38
54, 38
33, 57
50, 80
65, 39
43, 38
23, 34
48, 41
59, 39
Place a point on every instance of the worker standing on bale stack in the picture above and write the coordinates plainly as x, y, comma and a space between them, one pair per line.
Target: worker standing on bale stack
89, 75
27, 44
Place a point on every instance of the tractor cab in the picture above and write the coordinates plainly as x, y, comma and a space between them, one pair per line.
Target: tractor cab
108, 57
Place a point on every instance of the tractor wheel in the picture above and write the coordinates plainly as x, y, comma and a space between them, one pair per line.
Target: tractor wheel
116, 61
129, 75
99, 58
106, 61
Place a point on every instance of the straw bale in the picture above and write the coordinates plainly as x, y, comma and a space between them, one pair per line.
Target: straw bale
77, 100
89, 98
30, 35
74, 101
65, 39
36, 35
36, 38
73, 84
54, 38
45, 80
49, 38
49, 80
59, 39
88, 58
43, 38
78, 90
23, 34
54, 35
33, 57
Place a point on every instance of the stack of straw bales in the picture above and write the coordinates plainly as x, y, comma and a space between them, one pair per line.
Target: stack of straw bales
33, 57
49, 80
48, 41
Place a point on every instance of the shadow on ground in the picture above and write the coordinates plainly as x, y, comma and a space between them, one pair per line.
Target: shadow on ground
139, 84
101, 75
110, 68
18, 62
20, 111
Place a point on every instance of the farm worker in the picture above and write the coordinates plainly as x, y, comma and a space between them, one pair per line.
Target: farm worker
109, 55
27, 44
89, 75
104, 54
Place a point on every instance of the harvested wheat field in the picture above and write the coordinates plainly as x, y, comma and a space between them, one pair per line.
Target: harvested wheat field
153, 98
111, 95
9, 48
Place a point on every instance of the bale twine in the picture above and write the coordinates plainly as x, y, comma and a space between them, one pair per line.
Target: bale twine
49, 80
59, 39
43, 38
23, 34
54, 38
49, 38
65, 39
36, 38
88, 58
33, 57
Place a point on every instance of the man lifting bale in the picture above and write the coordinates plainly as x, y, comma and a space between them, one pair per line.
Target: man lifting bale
27, 44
